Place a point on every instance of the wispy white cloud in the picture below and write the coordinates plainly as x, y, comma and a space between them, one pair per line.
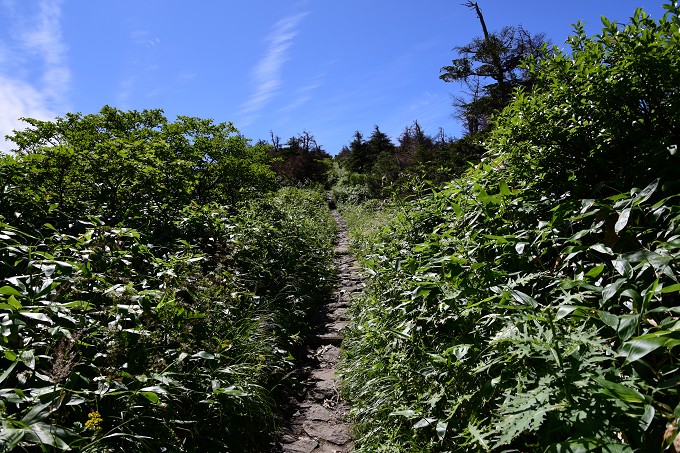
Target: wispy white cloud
267, 73
37, 83
145, 38
303, 95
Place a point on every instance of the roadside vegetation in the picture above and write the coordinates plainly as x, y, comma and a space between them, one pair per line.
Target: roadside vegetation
156, 280
531, 303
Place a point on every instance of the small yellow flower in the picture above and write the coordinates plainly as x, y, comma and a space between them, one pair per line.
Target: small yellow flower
94, 421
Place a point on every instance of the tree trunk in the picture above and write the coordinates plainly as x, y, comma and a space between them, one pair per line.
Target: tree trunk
500, 74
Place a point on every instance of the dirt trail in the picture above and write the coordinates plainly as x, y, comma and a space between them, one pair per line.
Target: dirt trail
316, 421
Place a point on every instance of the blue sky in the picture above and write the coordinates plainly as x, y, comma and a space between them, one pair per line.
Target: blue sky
326, 67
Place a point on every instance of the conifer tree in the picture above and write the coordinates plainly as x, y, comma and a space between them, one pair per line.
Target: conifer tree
490, 67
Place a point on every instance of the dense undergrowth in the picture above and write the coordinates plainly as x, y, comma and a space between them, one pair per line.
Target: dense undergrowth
533, 304
153, 305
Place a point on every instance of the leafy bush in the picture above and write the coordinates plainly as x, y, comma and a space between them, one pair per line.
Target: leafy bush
174, 335
351, 188
602, 117
531, 305
132, 167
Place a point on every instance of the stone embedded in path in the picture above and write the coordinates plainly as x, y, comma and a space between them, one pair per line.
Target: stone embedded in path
325, 386
336, 434
324, 390
327, 374
338, 325
325, 339
303, 445
320, 413
330, 448
329, 354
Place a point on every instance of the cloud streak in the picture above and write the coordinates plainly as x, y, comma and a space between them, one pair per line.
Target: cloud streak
304, 95
35, 46
267, 73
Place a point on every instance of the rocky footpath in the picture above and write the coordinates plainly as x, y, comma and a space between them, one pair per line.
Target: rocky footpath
316, 421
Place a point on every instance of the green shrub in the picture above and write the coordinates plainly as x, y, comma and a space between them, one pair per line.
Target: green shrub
167, 323
531, 305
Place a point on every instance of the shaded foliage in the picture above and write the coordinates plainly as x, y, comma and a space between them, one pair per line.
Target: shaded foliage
300, 159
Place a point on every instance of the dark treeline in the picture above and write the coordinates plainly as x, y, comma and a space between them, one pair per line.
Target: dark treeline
300, 159
387, 168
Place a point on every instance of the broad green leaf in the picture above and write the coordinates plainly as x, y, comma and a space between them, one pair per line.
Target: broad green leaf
151, 396
634, 295
423, 422
602, 249
10, 437
75, 400
408, 413
78, 304
639, 347
623, 267
622, 221
505, 190
41, 317
596, 271
619, 391
47, 434
611, 289
28, 357
646, 193
647, 417
459, 351
9, 291
441, 429
47, 286
231, 391
653, 289
617, 448
566, 310
523, 298
628, 325
154, 388
609, 319
14, 303
671, 289
38, 413
8, 371
497, 239
520, 246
